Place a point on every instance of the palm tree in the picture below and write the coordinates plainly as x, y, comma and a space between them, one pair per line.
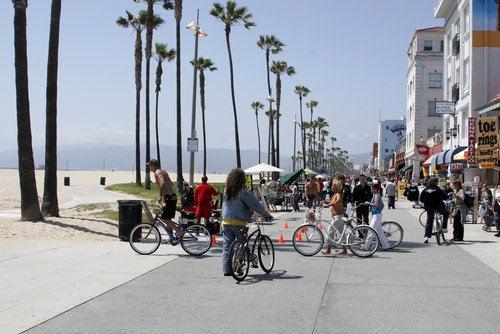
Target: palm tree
256, 106
138, 24
161, 54
302, 92
279, 68
152, 22
270, 44
231, 15
50, 205
30, 206
202, 65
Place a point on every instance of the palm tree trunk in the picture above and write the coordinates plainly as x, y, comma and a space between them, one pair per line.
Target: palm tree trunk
178, 17
202, 102
138, 87
50, 205
156, 129
149, 46
258, 131
278, 105
236, 132
30, 207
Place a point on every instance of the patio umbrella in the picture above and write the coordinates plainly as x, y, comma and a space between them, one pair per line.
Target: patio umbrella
290, 178
321, 176
263, 168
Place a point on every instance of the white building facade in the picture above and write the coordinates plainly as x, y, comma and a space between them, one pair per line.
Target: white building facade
424, 87
390, 133
471, 64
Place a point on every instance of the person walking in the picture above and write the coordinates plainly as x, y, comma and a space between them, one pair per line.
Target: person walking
433, 199
460, 211
203, 199
167, 195
295, 197
238, 204
390, 192
496, 208
311, 191
361, 194
376, 206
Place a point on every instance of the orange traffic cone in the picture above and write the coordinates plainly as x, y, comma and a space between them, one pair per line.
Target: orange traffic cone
214, 240
281, 241
299, 236
286, 224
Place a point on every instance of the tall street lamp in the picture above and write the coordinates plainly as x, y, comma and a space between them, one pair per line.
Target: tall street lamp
295, 122
193, 141
270, 100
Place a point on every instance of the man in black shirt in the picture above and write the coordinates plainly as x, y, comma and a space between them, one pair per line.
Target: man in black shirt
432, 197
362, 193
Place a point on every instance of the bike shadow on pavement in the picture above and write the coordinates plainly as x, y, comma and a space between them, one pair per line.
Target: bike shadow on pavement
272, 276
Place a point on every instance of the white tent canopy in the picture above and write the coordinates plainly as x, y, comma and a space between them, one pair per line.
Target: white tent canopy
263, 168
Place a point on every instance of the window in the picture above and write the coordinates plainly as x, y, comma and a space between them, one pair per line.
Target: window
431, 109
435, 80
386, 150
441, 46
427, 45
386, 140
387, 127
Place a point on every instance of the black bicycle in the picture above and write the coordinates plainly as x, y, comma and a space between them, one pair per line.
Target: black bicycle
242, 254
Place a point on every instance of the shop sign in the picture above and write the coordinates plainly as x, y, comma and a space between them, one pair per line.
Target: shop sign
423, 150
456, 167
487, 142
471, 145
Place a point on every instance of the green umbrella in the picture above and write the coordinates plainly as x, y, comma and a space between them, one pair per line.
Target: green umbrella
309, 171
289, 178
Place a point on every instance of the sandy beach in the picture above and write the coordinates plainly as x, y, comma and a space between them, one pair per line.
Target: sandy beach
74, 223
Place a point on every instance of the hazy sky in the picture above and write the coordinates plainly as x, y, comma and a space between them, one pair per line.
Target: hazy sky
350, 54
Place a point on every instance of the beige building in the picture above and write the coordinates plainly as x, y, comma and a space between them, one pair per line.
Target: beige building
424, 87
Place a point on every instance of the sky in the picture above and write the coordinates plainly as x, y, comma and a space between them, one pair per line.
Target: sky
350, 54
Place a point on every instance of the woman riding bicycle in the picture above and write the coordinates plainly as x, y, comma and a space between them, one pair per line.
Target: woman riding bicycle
236, 212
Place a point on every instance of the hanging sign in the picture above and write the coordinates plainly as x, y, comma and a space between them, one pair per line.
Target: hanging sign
487, 142
471, 144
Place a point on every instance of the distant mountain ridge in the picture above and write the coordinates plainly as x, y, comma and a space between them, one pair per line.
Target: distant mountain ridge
117, 157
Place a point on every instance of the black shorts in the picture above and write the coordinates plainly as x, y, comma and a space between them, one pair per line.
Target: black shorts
169, 207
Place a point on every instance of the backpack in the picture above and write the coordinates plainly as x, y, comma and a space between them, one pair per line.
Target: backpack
469, 201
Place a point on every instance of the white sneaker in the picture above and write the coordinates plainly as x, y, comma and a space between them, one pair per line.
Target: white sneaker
426, 240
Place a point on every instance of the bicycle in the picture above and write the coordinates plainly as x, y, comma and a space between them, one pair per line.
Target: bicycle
241, 256
356, 237
437, 229
392, 230
145, 238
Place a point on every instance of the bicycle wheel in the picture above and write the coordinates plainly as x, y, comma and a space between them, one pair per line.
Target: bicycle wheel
197, 240
393, 233
308, 240
239, 261
422, 219
144, 239
439, 231
363, 241
266, 253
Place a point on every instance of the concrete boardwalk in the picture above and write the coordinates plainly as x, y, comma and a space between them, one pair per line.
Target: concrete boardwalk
106, 288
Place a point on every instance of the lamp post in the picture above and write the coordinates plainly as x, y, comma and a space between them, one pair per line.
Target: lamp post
270, 100
294, 140
198, 33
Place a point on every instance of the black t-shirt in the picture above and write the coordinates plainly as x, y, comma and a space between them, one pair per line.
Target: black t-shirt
433, 198
362, 194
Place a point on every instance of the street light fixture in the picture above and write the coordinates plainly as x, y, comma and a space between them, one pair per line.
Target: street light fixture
198, 33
